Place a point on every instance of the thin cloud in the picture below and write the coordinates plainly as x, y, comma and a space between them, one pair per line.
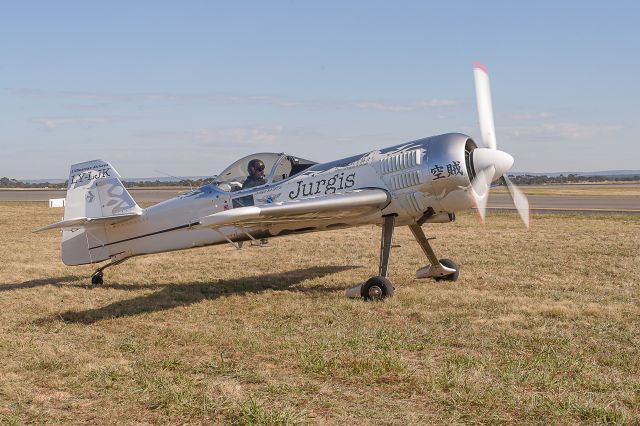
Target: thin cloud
565, 131
104, 98
52, 123
246, 136
533, 116
262, 135
108, 97
407, 107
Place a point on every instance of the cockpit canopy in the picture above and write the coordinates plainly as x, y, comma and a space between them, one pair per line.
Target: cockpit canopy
277, 167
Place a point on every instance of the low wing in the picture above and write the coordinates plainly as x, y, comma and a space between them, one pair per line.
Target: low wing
340, 206
83, 221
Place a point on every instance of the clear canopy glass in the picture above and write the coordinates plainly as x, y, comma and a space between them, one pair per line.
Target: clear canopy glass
277, 166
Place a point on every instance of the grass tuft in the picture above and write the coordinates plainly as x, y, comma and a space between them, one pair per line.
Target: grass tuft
251, 413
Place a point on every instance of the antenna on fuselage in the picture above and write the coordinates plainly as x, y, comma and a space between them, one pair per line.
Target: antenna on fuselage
175, 177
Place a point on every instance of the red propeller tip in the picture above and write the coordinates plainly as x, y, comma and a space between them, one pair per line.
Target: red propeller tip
481, 66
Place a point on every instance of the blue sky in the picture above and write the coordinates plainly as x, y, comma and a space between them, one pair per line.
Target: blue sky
187, 87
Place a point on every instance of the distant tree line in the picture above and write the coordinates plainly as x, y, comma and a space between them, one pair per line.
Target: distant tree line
570, 178
14, 183
194, 183
5, 182
518, 180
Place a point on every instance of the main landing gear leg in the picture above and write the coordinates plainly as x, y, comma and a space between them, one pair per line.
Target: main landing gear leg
379, 287
97, 276
443, 269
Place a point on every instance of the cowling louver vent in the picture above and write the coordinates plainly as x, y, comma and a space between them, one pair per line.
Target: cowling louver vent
404, 160
405, 180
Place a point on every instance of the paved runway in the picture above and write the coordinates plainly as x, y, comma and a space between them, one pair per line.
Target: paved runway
590, 204
571, 203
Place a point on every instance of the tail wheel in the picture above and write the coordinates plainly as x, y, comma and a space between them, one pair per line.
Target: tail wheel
376, 288
96, 279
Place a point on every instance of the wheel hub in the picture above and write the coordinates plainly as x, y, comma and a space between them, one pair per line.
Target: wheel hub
375, 292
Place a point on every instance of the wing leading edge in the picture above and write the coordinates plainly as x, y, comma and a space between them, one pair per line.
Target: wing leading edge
345, 205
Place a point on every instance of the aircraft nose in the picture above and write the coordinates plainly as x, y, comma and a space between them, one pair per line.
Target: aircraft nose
485, 157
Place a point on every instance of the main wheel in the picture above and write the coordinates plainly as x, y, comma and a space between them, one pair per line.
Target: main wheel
449, 264
376, 288
96, 279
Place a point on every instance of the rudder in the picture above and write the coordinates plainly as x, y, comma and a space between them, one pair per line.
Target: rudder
95, 190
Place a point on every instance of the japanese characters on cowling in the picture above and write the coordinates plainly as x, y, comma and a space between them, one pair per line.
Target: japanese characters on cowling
452, 169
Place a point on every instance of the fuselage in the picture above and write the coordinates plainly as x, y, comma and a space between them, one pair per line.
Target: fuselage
427, 180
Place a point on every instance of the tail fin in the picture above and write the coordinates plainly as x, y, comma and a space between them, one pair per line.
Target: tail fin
95, 191
96, 199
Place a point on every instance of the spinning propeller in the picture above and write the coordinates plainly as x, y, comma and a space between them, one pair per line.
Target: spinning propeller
489, 163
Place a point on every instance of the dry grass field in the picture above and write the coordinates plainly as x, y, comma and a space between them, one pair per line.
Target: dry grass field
542, 327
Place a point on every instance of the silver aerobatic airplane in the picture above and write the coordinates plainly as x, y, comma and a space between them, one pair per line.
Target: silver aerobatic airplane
267, 195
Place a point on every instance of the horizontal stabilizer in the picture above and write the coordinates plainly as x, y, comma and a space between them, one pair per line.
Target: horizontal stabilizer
350, 204
83, 221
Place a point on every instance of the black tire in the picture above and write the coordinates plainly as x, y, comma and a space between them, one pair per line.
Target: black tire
449, 264
97, 279
376, 288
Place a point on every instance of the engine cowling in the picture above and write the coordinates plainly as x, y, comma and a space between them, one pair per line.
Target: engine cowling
449, 170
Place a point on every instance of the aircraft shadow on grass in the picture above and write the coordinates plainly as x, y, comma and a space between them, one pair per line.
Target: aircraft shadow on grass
40, 282
62, 281
173, 296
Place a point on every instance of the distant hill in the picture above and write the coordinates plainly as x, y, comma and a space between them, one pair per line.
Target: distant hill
575, 177
188, 181
133, 179
39, 181
520, 178
196, 178
599, 173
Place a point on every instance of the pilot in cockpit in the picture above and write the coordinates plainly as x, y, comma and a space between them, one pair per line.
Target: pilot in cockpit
256, 174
